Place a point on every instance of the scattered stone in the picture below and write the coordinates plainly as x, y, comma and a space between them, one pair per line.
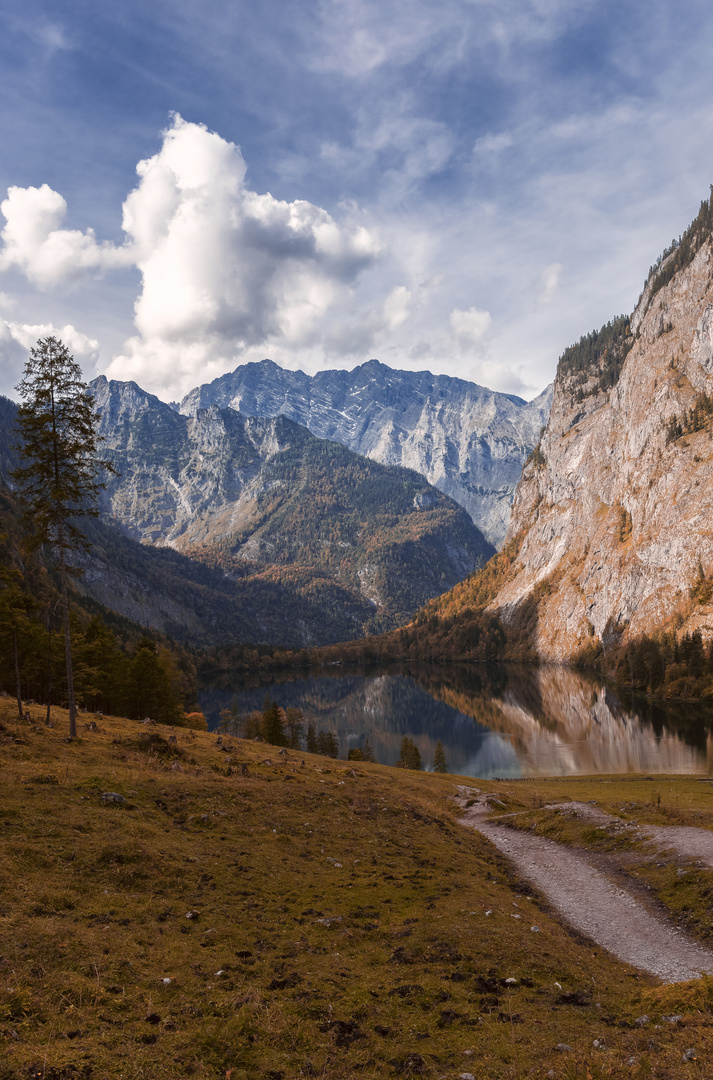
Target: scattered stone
673, 1019
466, 1076
92, 726
598, 1044
166, 981
564, 1048
329, 921
535, 930
516, 916
631, 1061
176, 767
282, 752
113, 797
511, 982
642, 1021
489, 912
193, 914
690, 1054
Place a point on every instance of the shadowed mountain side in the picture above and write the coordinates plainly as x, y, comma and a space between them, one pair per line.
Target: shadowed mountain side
193, 603
264, 501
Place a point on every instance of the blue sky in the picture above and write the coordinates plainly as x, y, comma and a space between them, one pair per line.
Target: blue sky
466, 187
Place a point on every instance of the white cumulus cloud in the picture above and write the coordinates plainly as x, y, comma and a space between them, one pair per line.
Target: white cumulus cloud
225, 270
46, 253
470, 327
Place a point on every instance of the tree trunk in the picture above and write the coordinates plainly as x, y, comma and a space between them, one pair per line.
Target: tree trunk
67, 642
17, 673
48, 718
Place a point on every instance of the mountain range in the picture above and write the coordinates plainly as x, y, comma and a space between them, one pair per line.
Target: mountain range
468, 441
313, 542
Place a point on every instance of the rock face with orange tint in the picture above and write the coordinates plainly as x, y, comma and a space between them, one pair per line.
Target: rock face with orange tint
614, 512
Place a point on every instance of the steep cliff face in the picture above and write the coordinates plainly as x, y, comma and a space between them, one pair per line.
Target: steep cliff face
468, 441
613, 518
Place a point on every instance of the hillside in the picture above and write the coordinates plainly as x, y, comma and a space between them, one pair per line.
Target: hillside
468, 441
230, 911
317, 543
610, 537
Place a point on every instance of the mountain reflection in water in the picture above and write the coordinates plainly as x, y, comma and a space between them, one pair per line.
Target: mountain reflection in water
503, 721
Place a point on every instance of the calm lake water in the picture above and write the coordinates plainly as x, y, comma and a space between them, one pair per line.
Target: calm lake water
503, 721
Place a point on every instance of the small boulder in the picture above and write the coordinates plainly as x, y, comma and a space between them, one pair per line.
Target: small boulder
564, 1048
113, 797
690, 1054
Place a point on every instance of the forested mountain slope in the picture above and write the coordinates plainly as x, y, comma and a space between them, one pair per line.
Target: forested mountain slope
468, 441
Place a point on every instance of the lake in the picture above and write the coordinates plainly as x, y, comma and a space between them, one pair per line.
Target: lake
504, 721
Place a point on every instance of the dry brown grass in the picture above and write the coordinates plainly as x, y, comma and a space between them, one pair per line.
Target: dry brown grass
405, 978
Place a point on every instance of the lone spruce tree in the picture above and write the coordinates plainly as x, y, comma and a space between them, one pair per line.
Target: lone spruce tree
439, 759
58, 482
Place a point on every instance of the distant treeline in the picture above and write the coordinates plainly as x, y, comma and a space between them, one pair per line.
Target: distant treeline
667, 665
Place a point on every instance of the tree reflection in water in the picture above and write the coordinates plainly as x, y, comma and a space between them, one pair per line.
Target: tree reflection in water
492, 721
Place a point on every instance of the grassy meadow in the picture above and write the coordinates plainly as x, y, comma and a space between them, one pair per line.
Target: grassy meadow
248, 913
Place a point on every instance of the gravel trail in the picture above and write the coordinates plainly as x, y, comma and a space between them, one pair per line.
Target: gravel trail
684, 840
591, 903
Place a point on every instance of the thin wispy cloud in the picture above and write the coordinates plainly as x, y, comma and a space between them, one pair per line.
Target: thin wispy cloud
404, 171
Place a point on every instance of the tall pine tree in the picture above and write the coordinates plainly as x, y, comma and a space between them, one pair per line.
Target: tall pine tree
58, 481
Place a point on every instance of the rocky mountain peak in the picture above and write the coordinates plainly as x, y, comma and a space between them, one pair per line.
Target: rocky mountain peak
468, 441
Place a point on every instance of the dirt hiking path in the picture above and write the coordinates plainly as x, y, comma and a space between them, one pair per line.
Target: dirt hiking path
589, 901
684, 840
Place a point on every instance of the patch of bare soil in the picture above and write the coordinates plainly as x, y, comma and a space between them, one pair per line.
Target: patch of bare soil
590, 902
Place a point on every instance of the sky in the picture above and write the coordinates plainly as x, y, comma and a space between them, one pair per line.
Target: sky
465, 187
